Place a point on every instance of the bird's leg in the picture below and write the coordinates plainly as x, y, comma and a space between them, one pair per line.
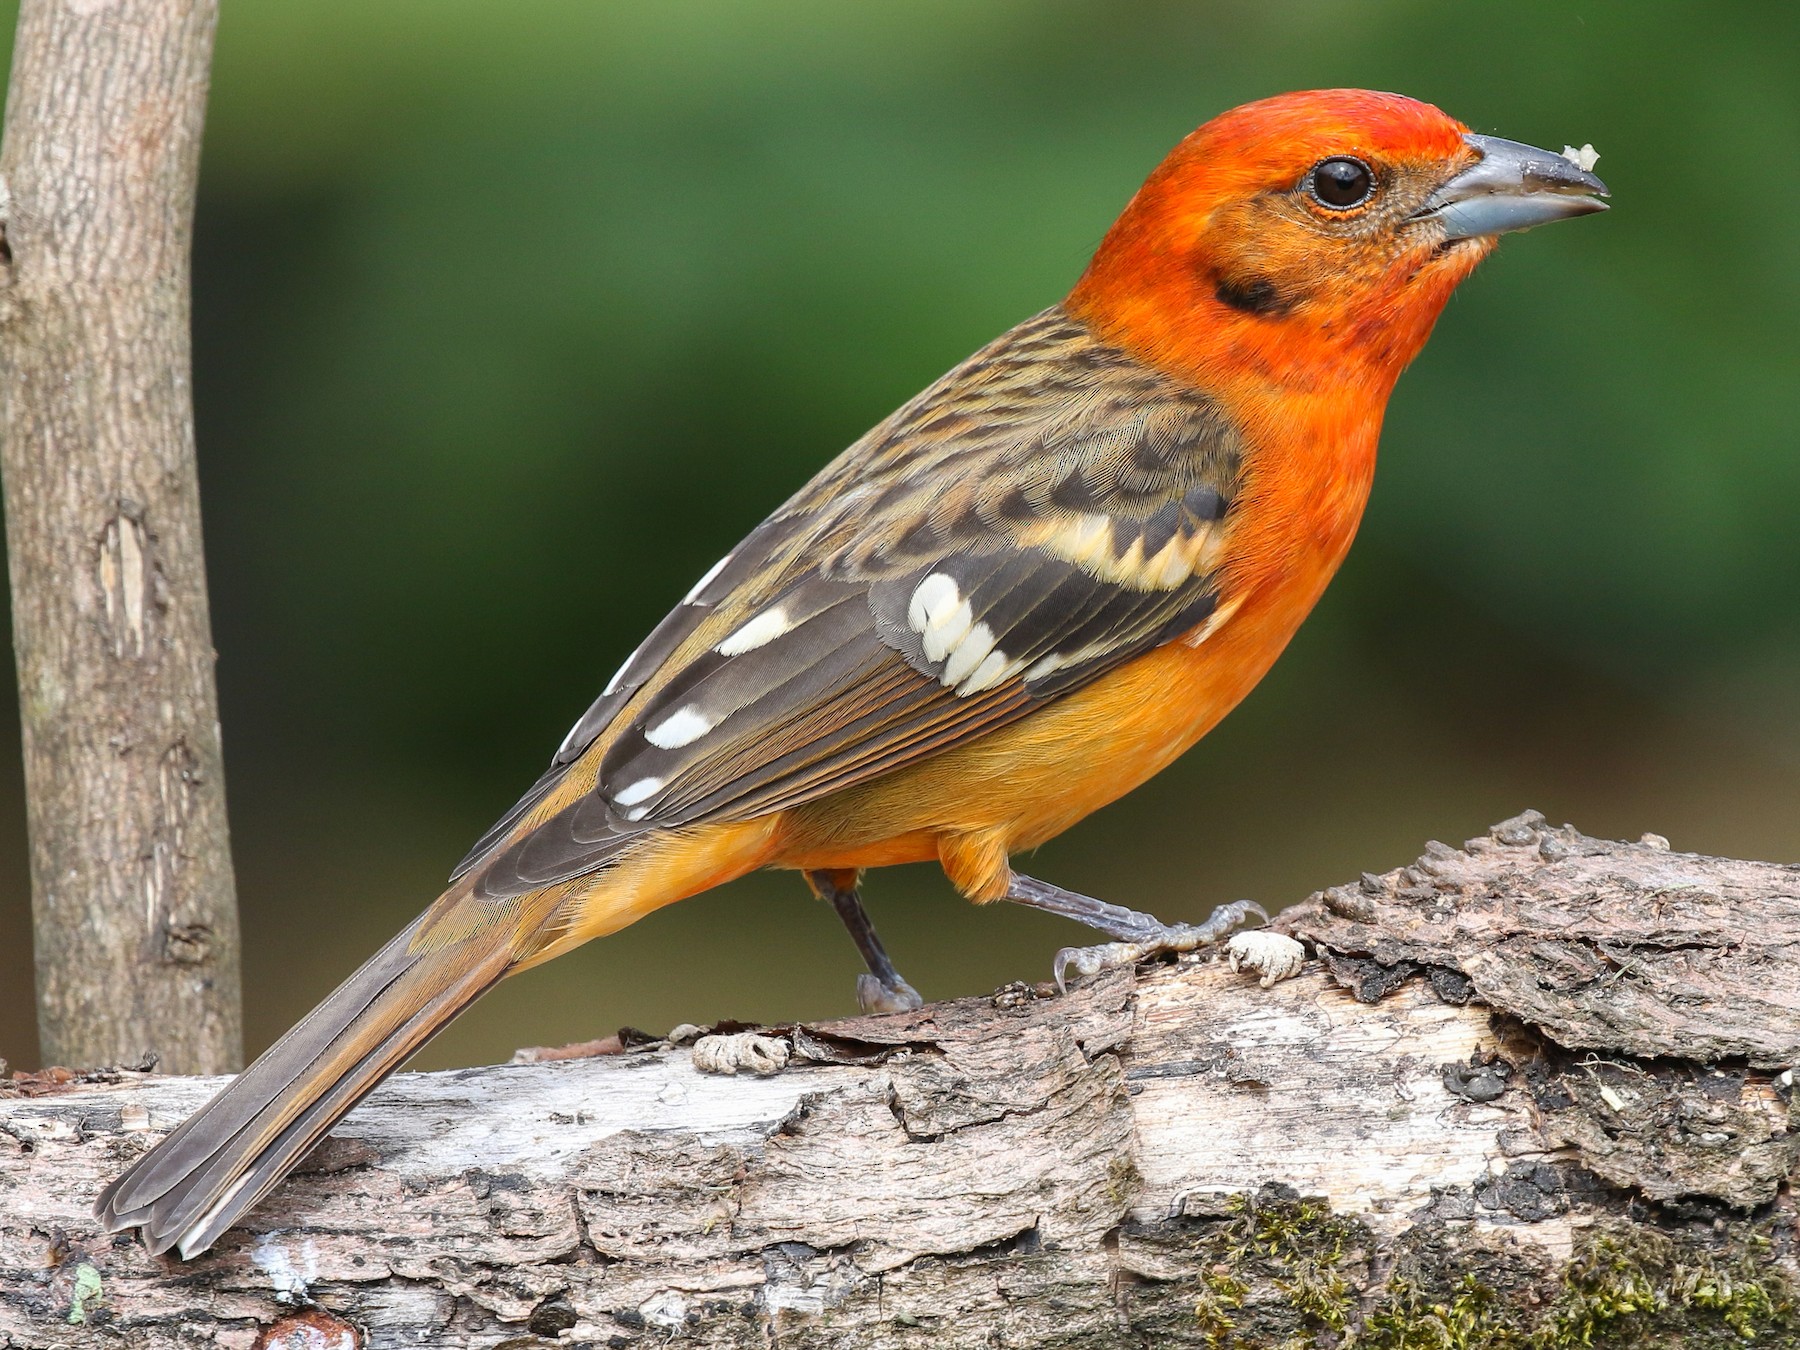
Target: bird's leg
881, 990
1135, 935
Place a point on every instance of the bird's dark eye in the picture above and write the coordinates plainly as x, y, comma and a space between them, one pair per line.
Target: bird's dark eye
1341, 182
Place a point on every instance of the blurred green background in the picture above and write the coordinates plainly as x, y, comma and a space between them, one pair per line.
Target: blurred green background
511, 318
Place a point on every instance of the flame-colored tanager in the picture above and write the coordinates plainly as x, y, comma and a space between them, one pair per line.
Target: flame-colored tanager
1017, 598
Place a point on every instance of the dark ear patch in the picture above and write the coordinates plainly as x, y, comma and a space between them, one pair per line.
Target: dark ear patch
1252, 295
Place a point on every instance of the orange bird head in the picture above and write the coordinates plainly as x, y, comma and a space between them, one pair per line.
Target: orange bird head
1313, 238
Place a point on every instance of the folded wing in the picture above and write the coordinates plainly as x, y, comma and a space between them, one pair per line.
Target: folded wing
1047, 511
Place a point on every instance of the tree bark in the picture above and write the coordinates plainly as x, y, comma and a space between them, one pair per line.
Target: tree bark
133, 905
1529, 1094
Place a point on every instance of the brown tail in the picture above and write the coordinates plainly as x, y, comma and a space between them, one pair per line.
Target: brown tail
228, 1155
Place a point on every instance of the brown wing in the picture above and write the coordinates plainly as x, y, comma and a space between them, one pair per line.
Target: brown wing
1047, 510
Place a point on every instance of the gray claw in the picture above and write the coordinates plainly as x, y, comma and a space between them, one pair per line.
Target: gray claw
872, 996
1224, 919
1085, 961
1175, 937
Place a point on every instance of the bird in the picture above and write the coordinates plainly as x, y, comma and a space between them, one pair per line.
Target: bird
1021, 595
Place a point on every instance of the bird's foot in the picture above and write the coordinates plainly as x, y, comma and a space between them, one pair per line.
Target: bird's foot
1158, 941
892, 995
881, 990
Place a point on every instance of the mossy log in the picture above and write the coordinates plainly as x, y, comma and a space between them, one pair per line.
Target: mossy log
1534, 1092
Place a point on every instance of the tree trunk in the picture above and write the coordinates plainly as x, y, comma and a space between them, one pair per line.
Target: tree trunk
134, 911
1531, 1094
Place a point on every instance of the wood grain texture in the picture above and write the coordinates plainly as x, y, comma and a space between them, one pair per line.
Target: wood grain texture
133, 903
1365, 1155
1639, 948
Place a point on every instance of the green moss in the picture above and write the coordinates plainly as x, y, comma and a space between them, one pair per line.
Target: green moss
1624, 1288
1298, 1247
1475, 1317
1628, 1287
1323, 1300
1743, 1302
1306, 1242
1283, 1228
1123, 1181
1219, 1297
1279, 1271
1609, 1293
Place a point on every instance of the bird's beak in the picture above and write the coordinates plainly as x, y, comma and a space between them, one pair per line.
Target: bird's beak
1512, 187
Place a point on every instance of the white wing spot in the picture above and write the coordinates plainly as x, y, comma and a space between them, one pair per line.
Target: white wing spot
970, 651
942, 639
682, 727
759, 632
992, 671
947, 630
706, 580
618, 678
1056, 661
940, 616
932, 601
1214, 621
633, 793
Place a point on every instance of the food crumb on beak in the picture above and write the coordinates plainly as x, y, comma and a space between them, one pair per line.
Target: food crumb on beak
1583, 159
